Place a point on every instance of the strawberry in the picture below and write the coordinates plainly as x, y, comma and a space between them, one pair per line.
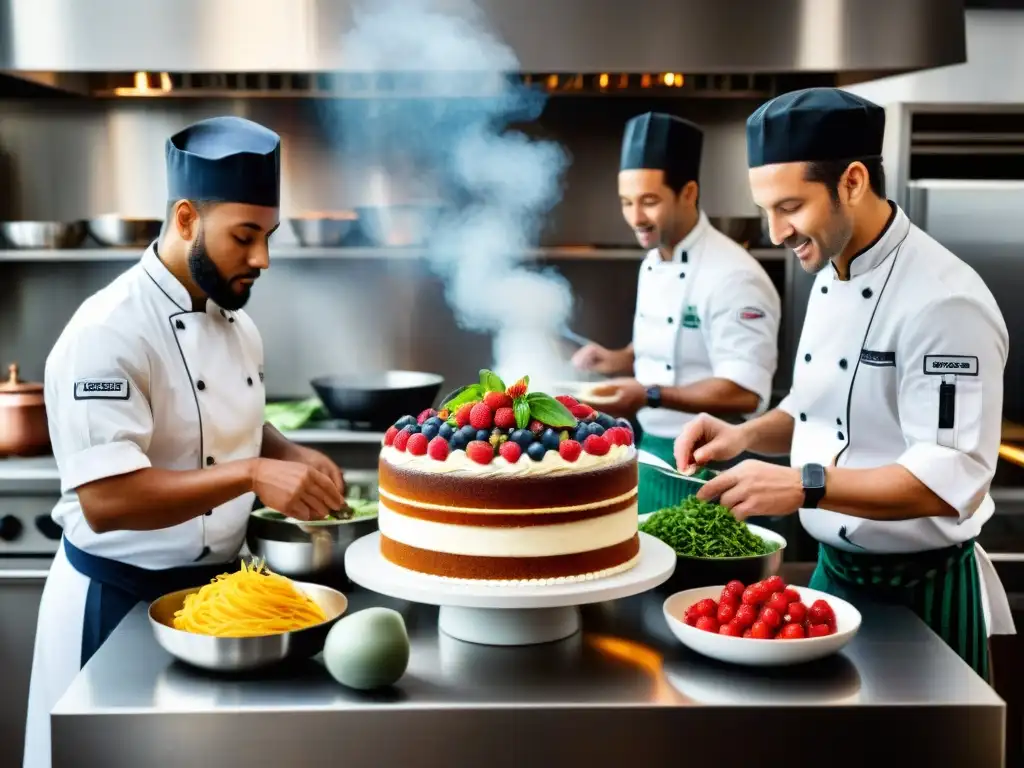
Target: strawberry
597, 445
774, 584
427, 414
792, 596
726, 612
481, 416
438, 449
820, 612
505, 418
708, 624
569, 450
819, 630
705, 607
760, 631
496, 400
480, 452
389, 436
792, 632
401, 440
517, 390
748, 633
567, 401
582, 411
730, 629
795, 613
510, 451
417, 444
751, 596
728, 597
778, 602
536, 427
462, 415
746, 615
770, 617
735, 588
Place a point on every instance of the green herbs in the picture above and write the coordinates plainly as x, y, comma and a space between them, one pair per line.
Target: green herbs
698, 528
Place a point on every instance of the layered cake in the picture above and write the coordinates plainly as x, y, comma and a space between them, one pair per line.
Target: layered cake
506, 485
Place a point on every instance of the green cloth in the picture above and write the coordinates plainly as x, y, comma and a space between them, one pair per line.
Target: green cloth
287, 417
940, 586
656, 489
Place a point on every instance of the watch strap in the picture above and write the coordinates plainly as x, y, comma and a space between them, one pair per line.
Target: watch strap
812, 477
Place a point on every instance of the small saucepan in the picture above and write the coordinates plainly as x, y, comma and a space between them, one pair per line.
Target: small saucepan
23, 424
377, 400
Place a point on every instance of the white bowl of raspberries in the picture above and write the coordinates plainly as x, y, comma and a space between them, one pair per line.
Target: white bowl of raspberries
768, 623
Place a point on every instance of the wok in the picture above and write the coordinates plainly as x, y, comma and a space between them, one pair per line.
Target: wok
377, 400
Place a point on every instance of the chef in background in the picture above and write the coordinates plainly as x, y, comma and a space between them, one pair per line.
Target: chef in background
705, 333
154, 395
893, 421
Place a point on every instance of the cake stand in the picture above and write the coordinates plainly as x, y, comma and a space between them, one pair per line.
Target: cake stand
494, 614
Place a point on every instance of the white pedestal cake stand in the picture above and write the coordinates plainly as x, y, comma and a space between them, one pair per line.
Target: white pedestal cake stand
493, 614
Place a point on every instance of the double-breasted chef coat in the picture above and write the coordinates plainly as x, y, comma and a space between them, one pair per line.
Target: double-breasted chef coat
712, 311
903, 363
136, 380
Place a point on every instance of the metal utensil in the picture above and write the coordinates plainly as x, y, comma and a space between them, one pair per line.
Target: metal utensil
243, 653
43, 234
115, 231
299, 549
323, 232
644, 457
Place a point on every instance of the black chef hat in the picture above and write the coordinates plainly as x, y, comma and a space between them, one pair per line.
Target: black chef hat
665, 143
226, 160
814, 125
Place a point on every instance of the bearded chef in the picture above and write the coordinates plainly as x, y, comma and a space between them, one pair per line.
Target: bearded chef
705, 332
155, 399
893, 420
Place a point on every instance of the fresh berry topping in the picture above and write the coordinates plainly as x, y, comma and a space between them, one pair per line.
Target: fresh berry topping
496, 400
431, 427
481, 416
412, 429
517, 390
510, 452
389, 436
522, 436
445, 430
569, 450
567, 401
605, 420
417, 444
536, 451
405, 421
581, 411
460, 440
438, 449
479, 451
618, 436
481, 434
597, 445
551, 439
462, 415
536, 427
427, 414
402, 440
505, 418
497, 437
444, 414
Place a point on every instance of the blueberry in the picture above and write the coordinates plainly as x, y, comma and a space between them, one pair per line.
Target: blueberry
405, 421
605, 420
412, 429
536, 451
595, 429
429, 430
523, 437
445, 430
624, 423
469, 432
459, 441
483, 434
550, 439
582, 433
434, 421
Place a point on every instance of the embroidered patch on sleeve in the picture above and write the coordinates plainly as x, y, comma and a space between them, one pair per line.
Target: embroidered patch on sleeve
101, 389
878, 359
940, 365
751, 313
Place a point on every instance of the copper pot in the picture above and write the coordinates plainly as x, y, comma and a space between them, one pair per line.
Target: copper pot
23, 426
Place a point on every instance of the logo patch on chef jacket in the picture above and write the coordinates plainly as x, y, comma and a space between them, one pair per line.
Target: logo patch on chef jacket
940, 365
878, 359
690, 317
751, 313
101, 389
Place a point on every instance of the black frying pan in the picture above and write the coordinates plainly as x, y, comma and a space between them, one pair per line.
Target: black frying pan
377, 400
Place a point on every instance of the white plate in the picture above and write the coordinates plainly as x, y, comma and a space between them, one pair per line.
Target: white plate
760, 653
583, 391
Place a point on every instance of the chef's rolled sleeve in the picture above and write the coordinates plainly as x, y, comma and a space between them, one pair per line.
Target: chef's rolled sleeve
744, 333
956, 463
98, 407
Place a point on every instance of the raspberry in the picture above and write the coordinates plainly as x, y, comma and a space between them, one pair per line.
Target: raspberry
567, 401
438, 449
481, 417
402, 440
615, 436
536, 427
505, 418
517, 390
389, 436
417, 444
427, 414
582, 411
510, 451
598, 445
480, 452
462, 415
496, 400
569, 450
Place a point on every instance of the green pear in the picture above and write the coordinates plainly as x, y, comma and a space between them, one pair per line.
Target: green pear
368, 649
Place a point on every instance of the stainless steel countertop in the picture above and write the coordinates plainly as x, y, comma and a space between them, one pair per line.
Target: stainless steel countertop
622, 690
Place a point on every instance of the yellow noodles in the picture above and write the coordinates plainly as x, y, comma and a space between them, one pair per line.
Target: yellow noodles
247, 603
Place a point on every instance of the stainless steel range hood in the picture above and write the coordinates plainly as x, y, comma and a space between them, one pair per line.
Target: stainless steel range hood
859, 37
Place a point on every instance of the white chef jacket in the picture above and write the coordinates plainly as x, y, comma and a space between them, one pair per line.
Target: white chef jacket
710, 312
137, 379
902, 363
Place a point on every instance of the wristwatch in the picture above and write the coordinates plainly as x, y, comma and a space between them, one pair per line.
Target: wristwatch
654, 397
813, 478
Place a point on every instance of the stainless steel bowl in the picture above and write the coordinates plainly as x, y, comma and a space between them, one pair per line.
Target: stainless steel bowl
299, 549
693, 572
325, 232
114, 231
235, 654
399, 226
43, 234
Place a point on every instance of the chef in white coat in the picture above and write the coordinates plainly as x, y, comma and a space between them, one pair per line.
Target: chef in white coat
705, 332
155, 398
893, 421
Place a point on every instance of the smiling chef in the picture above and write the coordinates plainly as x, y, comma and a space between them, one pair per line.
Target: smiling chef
154, 395
705, 332
893, 421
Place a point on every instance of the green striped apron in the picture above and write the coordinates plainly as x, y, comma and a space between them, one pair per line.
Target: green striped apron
940, 586
656, 489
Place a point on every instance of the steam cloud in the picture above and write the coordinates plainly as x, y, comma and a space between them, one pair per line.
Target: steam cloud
496, 185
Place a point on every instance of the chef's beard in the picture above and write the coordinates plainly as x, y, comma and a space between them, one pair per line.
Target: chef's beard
831, 244
210, 281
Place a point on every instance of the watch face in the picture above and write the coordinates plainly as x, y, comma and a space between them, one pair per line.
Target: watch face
814, 476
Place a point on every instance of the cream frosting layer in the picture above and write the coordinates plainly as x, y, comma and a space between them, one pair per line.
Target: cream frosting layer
552, 463
574, 579
385, 494
528, 541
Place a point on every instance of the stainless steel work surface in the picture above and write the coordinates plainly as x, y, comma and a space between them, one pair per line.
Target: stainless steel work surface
622, 690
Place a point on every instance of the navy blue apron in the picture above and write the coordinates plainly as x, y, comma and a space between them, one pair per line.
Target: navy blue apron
115, 588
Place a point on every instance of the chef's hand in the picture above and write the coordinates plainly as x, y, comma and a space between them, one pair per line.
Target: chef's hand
754, 488
705, 439
618, 397
295, 489
594, 357
318, 461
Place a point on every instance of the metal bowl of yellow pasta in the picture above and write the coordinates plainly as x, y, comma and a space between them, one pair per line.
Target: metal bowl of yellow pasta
253, 651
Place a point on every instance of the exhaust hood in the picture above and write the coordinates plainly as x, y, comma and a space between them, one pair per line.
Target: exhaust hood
59, 41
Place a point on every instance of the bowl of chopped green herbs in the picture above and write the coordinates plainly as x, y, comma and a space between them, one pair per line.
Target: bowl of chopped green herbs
712, 546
